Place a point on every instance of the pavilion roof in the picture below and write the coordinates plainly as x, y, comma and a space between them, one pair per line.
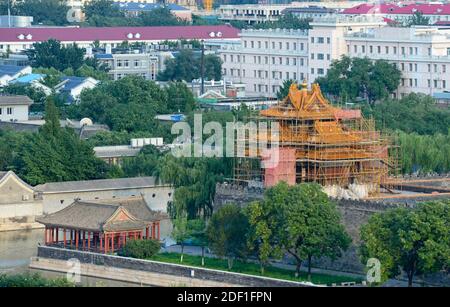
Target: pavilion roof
106, 215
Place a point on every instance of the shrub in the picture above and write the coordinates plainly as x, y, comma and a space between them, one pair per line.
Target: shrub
141, 249
32, 280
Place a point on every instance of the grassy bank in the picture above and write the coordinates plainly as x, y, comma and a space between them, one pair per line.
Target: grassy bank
251, 268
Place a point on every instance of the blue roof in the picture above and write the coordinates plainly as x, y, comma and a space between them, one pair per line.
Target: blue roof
71, 83
10, 69
443, 95
134, 6
103, 56
29, 78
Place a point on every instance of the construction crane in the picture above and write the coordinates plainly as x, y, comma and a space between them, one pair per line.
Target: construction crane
208, 5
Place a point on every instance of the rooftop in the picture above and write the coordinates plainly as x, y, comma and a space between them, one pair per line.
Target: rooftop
394, 9
95, 185
10, 70
29, 78
107, 215
116, 151
15, 100
71, 82
90, 34
133, 6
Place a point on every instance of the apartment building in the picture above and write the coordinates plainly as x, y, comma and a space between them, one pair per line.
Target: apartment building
124, 64
422, 54
401, 12
266, 58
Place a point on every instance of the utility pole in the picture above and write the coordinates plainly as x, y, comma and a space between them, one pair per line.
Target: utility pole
9, 13
202, 68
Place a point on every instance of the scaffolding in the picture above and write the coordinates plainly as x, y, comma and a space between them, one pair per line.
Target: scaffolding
318, 142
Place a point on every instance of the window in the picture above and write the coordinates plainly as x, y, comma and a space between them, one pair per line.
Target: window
280, 45
302, 46
266, 44
320, 40
410, 67
320, 56
444, 68
410, 50
136, 63
435, 68
1, 111
295, 61
9, 111
312, 40
245, 44
379, 49
252, 44
328, 56
403, 50
287, 46
371, 49
444, 85
320, 71
287, 75
312, 71
328, 40
395, 50
259, 44
224, 57
355, 48
363, 49
386, 49
273, 45
312, 56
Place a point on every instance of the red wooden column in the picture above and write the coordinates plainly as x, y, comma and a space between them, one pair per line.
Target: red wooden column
71, 238
106, 243
153, 231
159, 231
112, 243
65, 236
77, 236
147, 232
45, 235
84, 239
89, 240
57, 234
101, 242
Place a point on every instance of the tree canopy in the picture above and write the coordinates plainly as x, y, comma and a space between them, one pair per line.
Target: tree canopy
46, 12
414, 241
353, 78
187, 66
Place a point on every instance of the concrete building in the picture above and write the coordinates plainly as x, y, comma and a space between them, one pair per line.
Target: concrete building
266, 58
14, 108
422, 54
251, 13
15, 21
114, 155
58, 195
19, 204
309, 12
401, 12
134, 9
130, 63
19, 39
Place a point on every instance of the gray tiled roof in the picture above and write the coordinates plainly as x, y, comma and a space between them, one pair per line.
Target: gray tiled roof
94, 185
93, 216
15, 100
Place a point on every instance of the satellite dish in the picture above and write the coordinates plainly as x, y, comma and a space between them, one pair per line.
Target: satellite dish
86, 122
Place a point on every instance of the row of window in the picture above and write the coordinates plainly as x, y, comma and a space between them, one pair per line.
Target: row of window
413, 67
320, 40
274, 45
264, 60
9, 111
386, 50
320, 56
435, 83
263, 74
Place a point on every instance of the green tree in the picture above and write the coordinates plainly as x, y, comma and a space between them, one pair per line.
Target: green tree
198, 232
180, 98
57, 154
186, 66
418, 19
180, 232
352, 78
286, 21
105, 8
284, 89
51, 54
140, 249
227, 232
160, 17
47, 12
261, 238
415, 241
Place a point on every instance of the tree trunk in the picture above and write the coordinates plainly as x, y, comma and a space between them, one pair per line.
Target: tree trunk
309, 268
230, 263
203, 256
410, 279
262, 268
298, 264
182, 252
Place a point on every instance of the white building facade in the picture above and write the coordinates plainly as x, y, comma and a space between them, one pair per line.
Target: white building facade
266, 58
